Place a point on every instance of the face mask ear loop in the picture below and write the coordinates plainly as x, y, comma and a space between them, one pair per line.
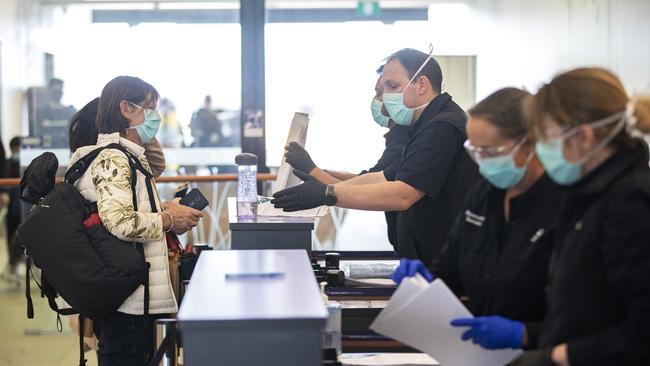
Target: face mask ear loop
137, 106
429, 57
518, 146
619, 126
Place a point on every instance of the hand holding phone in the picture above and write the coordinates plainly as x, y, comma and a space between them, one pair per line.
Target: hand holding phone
195, 199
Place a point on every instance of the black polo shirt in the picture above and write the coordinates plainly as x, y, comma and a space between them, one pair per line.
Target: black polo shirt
502, 265
396, 139
434, 162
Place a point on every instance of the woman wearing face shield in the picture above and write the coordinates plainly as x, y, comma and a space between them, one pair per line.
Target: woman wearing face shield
127, 116
598, 294
498, 250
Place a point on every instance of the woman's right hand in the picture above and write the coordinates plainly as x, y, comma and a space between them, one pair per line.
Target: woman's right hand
184, 217
409, 268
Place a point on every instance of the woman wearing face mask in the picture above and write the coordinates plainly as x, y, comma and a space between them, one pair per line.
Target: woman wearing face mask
127, 116
82, 131
499, 247
599, 284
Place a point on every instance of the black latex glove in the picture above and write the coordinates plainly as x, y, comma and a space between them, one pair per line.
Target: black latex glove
298, 157
538, 357
310, 194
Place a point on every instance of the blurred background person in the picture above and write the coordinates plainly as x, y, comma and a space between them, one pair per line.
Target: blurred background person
205, 125
53, 117
171, 133
10, 199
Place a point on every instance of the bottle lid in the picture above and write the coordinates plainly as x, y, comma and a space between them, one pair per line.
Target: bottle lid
246, 159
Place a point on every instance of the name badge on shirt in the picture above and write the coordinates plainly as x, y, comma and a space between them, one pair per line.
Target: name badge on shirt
474, 219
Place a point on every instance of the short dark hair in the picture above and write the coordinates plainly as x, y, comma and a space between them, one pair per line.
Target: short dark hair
380, 69
129, 88
83, 130
504, 110
412, 59
14, 142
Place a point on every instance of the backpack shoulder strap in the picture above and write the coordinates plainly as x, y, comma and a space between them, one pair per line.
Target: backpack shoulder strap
79, 168
136, 166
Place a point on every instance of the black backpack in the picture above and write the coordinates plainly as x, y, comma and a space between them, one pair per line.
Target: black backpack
91, 269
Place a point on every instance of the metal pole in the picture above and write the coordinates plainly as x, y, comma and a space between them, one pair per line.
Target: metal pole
167, 328
252, 16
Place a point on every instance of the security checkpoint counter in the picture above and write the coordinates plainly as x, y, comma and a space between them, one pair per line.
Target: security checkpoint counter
252, 307
269, 232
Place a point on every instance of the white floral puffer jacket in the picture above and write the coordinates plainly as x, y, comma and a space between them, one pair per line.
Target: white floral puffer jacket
107, 182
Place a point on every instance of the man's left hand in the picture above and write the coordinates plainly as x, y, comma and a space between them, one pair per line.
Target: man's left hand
308, 195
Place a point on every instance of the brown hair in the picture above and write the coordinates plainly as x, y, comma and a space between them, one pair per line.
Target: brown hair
582, 96
503, 109
129, 88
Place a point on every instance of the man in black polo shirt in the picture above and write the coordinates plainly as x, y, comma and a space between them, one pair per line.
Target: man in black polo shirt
396, 138
428, 183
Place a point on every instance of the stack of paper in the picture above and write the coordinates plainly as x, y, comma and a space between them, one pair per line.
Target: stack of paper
418, 314
297, 133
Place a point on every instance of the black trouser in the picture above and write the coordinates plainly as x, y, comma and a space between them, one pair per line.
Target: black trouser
124, 340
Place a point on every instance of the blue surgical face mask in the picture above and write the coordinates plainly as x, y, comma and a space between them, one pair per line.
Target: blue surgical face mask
149, 128
375, 108
551, 152
394, 102
502, 171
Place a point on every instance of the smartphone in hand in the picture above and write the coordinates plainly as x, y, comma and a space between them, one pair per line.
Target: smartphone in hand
195, 199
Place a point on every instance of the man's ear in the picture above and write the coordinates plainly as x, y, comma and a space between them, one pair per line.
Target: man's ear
423, 85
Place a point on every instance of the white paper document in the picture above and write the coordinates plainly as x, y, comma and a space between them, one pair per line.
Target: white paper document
387, 359
265, 208
418, 314
297, 133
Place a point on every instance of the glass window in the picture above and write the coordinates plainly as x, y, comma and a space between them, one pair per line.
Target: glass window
322, 59
191, 56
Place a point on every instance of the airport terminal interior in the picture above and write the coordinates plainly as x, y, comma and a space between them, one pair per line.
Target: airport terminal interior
322, 267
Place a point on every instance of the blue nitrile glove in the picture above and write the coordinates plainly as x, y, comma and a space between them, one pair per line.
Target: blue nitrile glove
408, 268
492, 332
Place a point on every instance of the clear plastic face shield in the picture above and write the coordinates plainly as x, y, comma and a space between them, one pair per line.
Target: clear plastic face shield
479, 154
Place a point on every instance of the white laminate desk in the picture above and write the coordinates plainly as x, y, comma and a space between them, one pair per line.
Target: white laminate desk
252, 307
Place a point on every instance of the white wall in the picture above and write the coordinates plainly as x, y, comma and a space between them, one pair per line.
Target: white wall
524, 43
22, 60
